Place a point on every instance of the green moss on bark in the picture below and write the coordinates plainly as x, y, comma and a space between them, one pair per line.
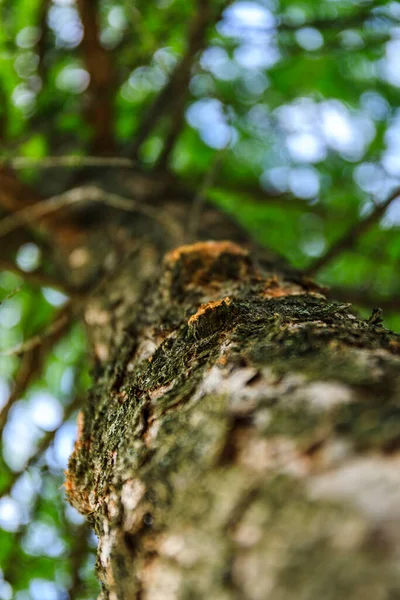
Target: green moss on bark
206, 432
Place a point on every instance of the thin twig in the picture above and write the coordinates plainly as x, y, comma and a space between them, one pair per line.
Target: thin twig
349, 239
73, 162
36, 277
33, 213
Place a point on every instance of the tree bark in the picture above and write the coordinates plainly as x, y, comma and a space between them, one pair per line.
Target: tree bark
241, 438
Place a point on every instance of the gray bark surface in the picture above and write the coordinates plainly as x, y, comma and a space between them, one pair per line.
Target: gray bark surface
241, 439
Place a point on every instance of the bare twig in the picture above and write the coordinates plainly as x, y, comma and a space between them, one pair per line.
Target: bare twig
44, 443
90, 193
36, 277
99, 112
73, 162
350, 238
204, 17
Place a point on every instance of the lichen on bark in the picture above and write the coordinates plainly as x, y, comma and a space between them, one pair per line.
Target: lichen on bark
241, 440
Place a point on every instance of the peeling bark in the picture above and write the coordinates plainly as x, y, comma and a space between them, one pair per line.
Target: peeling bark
242, 437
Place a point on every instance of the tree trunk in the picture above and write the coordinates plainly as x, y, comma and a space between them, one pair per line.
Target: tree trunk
241, 440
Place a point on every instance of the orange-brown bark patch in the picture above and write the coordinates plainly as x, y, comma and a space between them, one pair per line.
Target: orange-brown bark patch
394, 346
207, 265
78, 497
208, 306
206, 250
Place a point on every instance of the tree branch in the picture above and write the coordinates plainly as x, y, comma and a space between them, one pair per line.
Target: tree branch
99, 111
349, 239
16, 198
33, 213
177, 85
36, 277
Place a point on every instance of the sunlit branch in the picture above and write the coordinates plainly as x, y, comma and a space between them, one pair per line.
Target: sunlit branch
350, 238
205, 16
99, 112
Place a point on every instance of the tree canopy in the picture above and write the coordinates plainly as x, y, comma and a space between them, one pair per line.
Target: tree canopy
282, 113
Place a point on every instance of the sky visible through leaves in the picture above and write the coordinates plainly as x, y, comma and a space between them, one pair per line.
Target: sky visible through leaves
299, 103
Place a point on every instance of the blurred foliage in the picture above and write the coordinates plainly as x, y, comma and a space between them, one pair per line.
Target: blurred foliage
299, 99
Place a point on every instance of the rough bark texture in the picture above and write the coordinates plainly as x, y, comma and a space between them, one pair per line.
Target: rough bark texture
241, 440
